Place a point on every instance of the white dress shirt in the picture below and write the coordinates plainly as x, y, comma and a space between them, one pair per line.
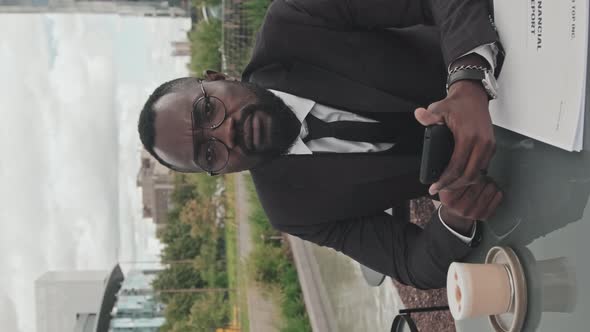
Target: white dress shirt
302, 107
488, 52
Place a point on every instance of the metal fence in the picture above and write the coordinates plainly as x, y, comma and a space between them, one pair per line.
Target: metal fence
236, 37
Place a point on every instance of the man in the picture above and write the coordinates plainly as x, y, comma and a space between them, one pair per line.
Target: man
324, 120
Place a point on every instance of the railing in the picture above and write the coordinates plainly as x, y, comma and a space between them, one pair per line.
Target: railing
236, 38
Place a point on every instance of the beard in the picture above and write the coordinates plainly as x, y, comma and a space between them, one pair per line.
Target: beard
285, 125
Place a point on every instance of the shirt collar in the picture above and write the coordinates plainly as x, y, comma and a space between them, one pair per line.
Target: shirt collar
300, 107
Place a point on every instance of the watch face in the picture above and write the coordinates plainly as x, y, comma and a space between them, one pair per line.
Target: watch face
490, 85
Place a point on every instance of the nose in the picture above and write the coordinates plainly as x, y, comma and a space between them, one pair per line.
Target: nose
226, 132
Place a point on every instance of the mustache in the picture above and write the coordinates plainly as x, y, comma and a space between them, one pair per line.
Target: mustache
239, 126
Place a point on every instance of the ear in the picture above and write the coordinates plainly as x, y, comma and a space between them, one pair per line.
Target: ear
212, 75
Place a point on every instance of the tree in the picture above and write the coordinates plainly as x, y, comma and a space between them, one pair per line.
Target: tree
184, 189
200, 3
177, 312
179, 244
205, 40
209, 311
178, 276
255, 12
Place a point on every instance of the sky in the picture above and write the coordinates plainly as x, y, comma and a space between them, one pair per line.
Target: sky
71, 88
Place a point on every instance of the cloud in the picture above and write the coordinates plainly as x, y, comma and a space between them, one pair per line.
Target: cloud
70, 148
8, 316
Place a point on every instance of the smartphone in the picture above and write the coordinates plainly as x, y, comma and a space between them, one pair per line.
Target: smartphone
436, 152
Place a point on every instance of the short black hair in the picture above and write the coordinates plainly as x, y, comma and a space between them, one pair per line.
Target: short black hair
147, 117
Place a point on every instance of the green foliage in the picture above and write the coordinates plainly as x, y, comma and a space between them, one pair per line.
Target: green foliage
183, 192
178, 276
292, 304
201, 3
178, 308
207, 185
179, 244
205, 40
185, 189
261, 227
200, 215
255, 11
211, 311
192, 234
265, 264
296, 324
176, 325
270, 265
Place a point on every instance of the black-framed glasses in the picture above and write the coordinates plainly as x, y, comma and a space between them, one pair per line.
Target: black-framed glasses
404, 322
209, 112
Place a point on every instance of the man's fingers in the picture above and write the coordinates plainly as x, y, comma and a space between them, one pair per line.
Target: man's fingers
471, 156
483, 204
453, 198
487, 159
454, 170
476, 166
427, 117
469, 201
493, 205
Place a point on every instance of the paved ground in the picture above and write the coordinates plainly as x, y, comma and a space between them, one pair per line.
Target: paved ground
262, 313
317, 303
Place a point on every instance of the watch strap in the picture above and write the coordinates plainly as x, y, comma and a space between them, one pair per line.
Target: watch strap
467, 73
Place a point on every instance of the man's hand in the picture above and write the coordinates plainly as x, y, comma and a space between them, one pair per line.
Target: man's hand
465, 112
475, 202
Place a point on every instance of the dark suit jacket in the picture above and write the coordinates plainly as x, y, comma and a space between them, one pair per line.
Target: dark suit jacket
378, 58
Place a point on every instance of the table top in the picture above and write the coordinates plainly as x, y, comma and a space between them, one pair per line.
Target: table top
546, 220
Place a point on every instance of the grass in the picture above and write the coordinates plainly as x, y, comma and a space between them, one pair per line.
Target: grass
236, 279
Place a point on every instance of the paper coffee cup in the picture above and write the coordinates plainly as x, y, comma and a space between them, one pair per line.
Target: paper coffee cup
478, 290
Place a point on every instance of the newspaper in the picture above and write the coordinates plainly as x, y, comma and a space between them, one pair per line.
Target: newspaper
543, 81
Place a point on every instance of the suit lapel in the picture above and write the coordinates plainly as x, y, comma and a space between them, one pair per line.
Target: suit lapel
328, 88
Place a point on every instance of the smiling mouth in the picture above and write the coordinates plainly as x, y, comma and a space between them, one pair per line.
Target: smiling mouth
255, 133
248, 132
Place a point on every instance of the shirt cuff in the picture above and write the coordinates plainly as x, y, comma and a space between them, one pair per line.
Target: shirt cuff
466, 239
488, 52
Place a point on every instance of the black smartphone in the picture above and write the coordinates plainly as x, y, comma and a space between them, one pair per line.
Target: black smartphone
436, 152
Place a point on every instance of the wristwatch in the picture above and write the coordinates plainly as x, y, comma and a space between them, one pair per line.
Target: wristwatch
475, 73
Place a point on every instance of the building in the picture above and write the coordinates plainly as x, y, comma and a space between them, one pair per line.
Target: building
137, 308
78, 301
157, 184
181, 48
97, 301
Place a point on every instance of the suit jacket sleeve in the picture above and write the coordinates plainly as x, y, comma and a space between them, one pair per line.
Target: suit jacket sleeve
463, 24
402, 250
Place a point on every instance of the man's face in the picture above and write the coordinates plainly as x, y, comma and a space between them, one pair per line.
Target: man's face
258, 126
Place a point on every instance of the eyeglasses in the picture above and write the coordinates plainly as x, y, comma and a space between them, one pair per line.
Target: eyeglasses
209, 112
